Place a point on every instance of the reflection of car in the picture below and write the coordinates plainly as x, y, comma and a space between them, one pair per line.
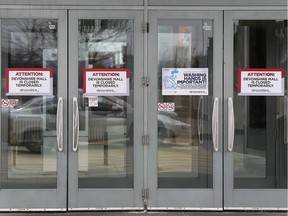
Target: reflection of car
109, 107
169, 125
29, 121
32, 121
118, 112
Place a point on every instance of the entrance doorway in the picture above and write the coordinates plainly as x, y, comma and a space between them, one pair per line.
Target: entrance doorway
98, 113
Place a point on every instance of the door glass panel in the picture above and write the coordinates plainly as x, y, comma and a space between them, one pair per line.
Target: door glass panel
106, 127
28, 123
185, 152
260, 145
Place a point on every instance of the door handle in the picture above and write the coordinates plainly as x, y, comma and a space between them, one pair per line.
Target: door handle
231, 125
59, 124
215, 124
200, 120
75, 125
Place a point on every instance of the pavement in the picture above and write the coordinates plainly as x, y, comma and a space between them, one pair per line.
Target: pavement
149, 213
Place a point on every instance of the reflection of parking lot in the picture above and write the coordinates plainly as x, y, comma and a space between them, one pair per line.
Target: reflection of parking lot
92, 162
117, 133
24, 164
249, 165
178, 161
178, 157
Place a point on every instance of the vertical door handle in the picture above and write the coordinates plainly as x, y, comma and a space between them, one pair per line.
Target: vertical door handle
231, 125
75, 125
59, 124
200, 120
215, 124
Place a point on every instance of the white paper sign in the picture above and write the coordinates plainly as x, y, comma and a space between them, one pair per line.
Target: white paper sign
29, 81
93, 101
106, 82
184, 81
261, 82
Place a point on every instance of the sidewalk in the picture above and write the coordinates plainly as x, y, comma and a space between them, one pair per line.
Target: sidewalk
141, 213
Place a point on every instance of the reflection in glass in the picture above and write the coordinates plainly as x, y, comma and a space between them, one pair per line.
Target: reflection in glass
106, 122
28, 138
185, 150
260, 145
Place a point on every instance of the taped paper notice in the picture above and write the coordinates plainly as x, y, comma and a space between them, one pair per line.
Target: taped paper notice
106, 82
93, 101
29, 81
184, 81
261, 82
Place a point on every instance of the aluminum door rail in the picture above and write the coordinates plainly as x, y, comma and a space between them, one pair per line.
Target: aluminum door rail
215, 124
231, 125
59, 124
75, 125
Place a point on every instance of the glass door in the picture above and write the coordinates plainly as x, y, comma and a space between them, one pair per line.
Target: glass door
33, 144
106, 100
255, 107
184, 105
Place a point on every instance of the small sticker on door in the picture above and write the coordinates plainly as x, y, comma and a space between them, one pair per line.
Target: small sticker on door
9, 102
206, 27
93, 101
166, 107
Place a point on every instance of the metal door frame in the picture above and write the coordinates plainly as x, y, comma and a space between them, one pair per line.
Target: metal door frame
100, 199
43, 199
145, 158
191, 199
244, 199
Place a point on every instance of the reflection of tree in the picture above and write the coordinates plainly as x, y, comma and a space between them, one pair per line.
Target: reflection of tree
23, 43
95, 32
98, 29
26, 39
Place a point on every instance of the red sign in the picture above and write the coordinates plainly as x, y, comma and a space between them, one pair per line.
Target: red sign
261, 82
106, 82
29, 81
